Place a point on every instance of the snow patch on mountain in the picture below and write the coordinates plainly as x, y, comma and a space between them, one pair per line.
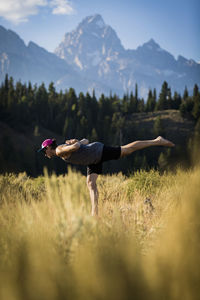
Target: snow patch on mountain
78, 62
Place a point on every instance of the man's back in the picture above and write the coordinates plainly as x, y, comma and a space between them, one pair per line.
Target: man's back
86, 154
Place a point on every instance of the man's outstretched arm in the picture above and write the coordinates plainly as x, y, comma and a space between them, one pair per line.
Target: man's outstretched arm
64, 150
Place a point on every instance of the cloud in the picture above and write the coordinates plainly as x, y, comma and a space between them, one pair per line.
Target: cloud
18, 11
62, 7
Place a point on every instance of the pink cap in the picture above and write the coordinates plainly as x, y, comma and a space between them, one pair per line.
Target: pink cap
46, 143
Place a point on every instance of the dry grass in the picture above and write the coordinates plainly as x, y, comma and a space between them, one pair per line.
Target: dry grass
51, 248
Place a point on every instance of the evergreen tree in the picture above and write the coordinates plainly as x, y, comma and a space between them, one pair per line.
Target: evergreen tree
164, 101
40, 106
154, 95
11, 95
195, 91
151, 102
196, 100
51, 91
4, 95
136, 91
141, 105
6, 83
83, 116
185, 93
176, 101
125, 104
104, 119
133, 106
186, 107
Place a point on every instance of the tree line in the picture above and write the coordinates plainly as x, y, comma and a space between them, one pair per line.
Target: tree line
107, 119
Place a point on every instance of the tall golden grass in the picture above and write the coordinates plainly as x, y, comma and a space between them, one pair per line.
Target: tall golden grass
145, 244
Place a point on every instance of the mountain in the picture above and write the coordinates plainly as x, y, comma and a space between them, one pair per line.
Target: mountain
95, 51
90, 44
32, 63
92, 57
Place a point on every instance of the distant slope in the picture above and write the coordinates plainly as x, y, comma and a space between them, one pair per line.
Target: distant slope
175, 127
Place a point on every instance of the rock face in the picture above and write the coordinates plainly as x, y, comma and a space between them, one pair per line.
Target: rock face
90, 44
92, 57
94, 50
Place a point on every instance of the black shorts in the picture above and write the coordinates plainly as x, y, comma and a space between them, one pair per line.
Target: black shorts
109, 153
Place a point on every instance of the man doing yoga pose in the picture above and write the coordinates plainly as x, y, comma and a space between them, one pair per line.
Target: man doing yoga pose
93, 155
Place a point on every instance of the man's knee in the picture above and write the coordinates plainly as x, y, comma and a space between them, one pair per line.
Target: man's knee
123, 151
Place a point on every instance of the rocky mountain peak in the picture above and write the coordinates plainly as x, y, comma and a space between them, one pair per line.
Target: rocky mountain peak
90, 43
95, 21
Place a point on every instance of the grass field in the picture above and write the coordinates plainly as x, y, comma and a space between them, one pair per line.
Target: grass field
145, 244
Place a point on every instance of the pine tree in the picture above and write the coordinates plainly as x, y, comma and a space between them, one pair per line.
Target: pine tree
41, 105
154, 95
164, 101
125, 104
141, 105
151, 102
176, 101
136, 91
195, 90
185, 93
133, 104
11, 94
196, 100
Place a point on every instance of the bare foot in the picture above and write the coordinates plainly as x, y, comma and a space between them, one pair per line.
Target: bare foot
164, 142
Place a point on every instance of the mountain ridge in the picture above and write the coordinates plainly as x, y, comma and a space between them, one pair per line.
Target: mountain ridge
93, 57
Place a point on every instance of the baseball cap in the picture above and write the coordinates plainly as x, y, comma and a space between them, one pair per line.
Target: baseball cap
46, 143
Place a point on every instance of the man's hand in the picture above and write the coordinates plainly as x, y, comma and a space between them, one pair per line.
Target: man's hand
71, 142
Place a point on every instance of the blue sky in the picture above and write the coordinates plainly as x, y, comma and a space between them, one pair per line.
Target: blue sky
173, 24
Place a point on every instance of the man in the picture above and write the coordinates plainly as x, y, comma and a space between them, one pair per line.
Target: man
93, 155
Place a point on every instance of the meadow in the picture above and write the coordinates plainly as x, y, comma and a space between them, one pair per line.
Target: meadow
145, 244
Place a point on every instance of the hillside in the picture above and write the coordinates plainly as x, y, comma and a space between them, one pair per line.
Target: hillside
174, 126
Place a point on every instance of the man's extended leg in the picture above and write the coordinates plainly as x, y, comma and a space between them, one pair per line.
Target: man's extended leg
137, 145
92, 186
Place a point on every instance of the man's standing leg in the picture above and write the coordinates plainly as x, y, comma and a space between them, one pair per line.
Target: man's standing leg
92, 186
